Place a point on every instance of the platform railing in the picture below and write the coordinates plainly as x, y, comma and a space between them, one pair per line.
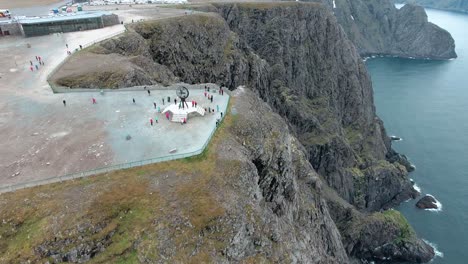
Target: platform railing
77, 175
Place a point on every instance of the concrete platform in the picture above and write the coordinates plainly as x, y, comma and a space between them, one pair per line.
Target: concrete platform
41, 138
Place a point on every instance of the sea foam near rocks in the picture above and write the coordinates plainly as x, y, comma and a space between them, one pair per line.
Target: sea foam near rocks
439, 205
437, 253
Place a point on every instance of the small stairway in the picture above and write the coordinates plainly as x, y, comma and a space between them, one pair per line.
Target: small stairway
178, 117
200, 110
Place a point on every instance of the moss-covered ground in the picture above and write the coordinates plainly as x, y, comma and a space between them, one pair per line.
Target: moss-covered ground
143, 212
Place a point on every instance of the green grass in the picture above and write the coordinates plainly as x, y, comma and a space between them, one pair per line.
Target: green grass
406, 231
126, 204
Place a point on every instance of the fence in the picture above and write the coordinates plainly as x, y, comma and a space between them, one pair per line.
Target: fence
72, 176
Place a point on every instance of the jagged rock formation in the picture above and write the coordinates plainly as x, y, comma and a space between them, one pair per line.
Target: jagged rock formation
451, 5
377, 27
299, 60
252, 197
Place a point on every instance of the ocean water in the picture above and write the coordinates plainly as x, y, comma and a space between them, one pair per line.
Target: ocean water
426, 103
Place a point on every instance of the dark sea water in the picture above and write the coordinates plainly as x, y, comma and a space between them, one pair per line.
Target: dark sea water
426, 103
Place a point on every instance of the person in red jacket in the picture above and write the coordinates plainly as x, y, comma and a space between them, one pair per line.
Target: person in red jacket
151, 121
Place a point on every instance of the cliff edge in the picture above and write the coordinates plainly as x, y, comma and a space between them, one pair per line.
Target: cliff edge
450, 5
297, 59
378, 28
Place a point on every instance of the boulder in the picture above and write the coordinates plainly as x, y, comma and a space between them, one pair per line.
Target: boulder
427, 202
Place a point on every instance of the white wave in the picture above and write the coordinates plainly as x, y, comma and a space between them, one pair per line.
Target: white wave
417, 188
439, 205
436, 251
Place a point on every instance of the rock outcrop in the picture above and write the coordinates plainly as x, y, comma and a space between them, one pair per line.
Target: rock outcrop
378, 28
451, 5
427, 202
298, 59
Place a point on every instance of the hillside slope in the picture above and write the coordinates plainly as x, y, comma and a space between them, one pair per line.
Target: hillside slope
298, 60
251, 197
376, 27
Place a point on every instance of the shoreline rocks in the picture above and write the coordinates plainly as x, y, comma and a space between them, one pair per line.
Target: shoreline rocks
427, 202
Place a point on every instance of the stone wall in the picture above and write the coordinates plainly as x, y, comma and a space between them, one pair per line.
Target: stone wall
110, 20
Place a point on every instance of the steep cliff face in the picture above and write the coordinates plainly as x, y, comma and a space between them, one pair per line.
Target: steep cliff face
452, 5
377, 27
298, 59
252, 197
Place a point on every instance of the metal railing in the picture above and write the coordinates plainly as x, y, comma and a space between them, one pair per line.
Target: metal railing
77, 175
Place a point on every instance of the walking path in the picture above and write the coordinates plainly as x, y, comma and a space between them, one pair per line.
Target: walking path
41, 138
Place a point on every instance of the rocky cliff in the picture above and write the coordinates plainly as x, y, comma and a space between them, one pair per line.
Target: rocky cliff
376, 27
298, 59
451, 5
251, 197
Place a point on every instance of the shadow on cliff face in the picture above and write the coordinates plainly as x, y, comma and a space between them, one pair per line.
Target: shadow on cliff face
379, 28
297, 59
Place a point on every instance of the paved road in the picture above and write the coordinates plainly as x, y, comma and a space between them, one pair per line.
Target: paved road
37, 10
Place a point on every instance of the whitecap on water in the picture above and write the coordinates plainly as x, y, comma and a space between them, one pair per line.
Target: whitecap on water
417, 188
436, 251
439, 205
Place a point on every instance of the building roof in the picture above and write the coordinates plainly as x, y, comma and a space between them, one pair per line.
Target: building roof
62, 17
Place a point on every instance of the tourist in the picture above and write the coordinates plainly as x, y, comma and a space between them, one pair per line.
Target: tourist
149, 92
64, 103
175, 101
221, 114
31, 63
154, 103
167, 115
37, 58
144, 88
209, 109
37, 67
31, 68
211, 98
205, 92
66, 45
217, 108
163, 101
196, 103
208, 89
94, 100
43, 63
134, 101
81, 47
151, 121
168, 99
222, 91
159, 109
156, 119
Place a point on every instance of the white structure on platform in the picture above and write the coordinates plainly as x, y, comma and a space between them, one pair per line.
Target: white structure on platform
179, 114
